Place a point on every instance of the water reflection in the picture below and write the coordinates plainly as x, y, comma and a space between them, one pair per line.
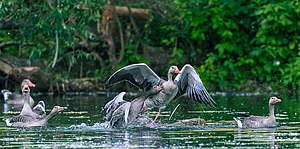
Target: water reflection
81, 126
251, 137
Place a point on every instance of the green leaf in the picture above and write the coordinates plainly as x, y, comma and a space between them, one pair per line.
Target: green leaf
292, 45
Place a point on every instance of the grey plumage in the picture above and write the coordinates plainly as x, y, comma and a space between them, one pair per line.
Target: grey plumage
143, 77
259, 121
30, 121
37, 112
121, 113
40, 108
16, 98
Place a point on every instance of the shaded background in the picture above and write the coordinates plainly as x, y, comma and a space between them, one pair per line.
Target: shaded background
75, 45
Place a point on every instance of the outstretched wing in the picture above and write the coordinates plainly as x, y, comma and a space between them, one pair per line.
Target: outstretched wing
39, 108
27, 111
189, 82
139, 75
112, 105
120, 116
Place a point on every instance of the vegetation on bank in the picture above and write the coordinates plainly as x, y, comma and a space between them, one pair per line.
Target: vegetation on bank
234, 45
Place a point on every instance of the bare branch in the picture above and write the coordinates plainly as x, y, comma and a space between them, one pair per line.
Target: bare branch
121, 55
132, 19
100, 59
56, 49
12, 43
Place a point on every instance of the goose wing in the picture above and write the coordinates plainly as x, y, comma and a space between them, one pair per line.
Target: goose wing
18, 119
114, 104
119, 117
189, 82
39, 108
140, 75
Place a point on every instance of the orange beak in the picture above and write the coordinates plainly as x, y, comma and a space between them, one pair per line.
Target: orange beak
277, 100
177, 71
30, 84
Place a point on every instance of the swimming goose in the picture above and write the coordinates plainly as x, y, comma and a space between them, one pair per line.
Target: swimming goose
16, 98
29, 121
259, 121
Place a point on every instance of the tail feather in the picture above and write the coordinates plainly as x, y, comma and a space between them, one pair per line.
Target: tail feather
239, 122
8, 122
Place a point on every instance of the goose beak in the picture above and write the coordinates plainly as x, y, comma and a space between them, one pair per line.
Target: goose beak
177, 71
277, 100
61, 109
30, 84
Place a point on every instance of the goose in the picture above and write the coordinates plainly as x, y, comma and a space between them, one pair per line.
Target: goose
187, 81
16, 98
259, 121
29, 121
121, 113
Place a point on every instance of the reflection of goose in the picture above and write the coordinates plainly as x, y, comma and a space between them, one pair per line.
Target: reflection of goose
120, 113
16, 98
260, 121
247, 138
188, 81
29, 121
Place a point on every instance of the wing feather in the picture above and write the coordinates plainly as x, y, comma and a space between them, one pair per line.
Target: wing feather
140, 75
189, 82
112, 105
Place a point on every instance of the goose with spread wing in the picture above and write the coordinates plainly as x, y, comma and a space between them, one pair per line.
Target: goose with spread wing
187, 81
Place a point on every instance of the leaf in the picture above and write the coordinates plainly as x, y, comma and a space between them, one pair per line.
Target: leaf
292, 45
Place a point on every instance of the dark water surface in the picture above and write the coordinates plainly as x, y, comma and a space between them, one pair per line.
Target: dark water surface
81, 125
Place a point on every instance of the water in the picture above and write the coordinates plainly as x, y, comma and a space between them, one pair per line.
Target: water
81, 125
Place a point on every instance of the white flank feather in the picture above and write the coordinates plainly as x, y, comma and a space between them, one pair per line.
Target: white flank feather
239, 122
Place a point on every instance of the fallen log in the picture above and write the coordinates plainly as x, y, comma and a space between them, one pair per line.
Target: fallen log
137, 13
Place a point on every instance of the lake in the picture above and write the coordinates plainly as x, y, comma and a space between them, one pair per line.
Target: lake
81, 124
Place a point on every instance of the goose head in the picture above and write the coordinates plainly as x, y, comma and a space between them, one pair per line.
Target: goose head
274, 100
27, 82
57, 109
174, 70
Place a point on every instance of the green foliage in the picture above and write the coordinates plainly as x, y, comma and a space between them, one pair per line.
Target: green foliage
39, 21
234, 45
244, 43
292, 72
